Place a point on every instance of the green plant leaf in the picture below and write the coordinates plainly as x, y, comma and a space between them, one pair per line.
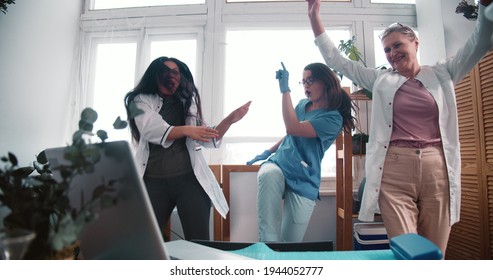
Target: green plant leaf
89, 115
13, 159
87, 119
41, 158
349, 48
102, 135
86, 126
23, 172
119, 124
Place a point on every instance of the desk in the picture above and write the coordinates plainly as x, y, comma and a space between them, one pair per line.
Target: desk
261, 251
404, 247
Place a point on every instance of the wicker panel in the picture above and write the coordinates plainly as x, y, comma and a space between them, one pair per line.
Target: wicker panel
486, 101
486, 82
466, 123
464, 242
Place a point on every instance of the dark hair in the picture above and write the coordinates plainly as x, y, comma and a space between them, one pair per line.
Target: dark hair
401, 28
337, 98
155, 75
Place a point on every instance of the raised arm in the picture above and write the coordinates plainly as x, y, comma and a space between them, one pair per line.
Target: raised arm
233, 117
314, 15
293, 125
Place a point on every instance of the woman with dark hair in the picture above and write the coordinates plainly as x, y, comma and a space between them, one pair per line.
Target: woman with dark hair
169, 134
293, 172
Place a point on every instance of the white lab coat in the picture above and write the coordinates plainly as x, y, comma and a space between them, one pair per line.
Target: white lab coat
153, 129
439, 80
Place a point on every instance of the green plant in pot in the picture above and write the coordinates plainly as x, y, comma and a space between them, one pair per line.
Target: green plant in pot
359, 141
349, 48
40, 203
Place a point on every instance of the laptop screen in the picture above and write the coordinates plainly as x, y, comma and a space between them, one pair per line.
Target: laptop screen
127, 230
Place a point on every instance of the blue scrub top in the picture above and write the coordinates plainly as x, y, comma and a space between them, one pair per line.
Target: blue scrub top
300, 158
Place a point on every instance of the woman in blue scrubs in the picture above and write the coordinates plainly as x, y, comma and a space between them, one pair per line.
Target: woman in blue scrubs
289, 180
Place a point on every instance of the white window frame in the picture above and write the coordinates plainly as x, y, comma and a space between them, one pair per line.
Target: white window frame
209, 22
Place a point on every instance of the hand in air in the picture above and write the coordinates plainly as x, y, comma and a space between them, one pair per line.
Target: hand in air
283, 76
263, 156
239, 113
313, 8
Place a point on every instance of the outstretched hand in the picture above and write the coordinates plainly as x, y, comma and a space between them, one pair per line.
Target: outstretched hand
263, 156
239, 113
283, 76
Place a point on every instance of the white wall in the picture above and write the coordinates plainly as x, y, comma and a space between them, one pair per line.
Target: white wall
441, 31
431, 38
38, 41
456, 27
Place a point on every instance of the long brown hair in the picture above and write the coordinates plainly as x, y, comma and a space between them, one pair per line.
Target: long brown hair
153, 76
337, 98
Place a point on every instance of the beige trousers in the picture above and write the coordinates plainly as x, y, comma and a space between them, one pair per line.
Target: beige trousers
414, 194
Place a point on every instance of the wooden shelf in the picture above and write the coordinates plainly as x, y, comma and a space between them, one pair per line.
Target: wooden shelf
359, 96
344, 184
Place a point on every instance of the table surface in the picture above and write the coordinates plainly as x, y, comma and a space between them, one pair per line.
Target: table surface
261, 251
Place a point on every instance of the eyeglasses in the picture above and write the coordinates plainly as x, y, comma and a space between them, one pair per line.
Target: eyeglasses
309, 81
398, 27
172, 72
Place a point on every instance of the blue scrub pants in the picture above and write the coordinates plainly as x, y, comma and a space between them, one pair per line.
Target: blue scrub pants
278, 221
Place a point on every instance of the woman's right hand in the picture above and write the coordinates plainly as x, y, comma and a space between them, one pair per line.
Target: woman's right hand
314, 15
202, 133
313, 8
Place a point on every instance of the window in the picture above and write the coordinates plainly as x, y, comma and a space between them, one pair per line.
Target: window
115, 75
232, 50
115, 4
113, 78
247, 1
252, 57
393, 1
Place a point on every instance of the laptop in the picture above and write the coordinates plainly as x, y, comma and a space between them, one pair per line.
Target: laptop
129, 229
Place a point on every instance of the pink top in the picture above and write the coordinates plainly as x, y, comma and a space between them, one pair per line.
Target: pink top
415, 117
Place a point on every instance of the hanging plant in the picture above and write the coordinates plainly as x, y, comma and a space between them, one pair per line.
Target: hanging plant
4, 3
469, 11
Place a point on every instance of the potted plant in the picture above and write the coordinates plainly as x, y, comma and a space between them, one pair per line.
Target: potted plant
359, 141
469, 11
349, 48
40, 203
